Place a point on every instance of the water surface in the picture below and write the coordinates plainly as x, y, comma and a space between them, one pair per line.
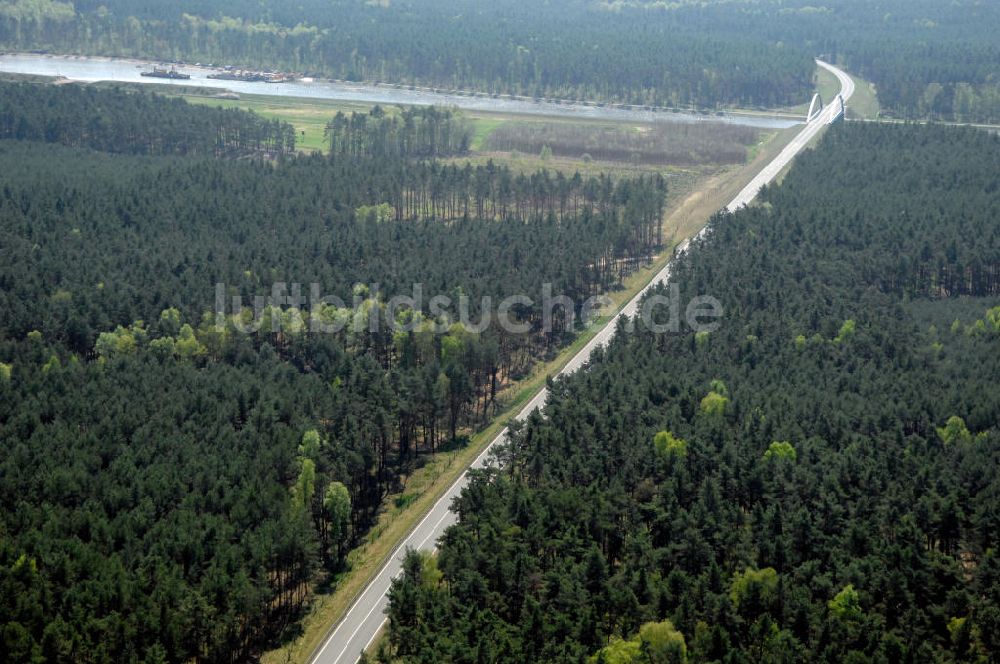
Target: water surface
89, 69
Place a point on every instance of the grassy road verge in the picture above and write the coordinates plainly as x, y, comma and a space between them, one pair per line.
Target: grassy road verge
864, 102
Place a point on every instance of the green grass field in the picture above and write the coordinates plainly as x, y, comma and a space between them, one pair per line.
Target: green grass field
864, 103
308, 116
827, 85
482, 128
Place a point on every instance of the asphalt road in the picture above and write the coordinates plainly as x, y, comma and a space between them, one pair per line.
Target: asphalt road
363, 621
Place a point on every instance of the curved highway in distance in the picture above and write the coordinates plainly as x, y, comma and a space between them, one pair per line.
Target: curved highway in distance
825, 117
362, 622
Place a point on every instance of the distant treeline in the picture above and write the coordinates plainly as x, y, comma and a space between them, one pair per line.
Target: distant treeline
416, 131
675, 144
927, 58
958, 80
432, 191
813, 481
128, 122
568, 49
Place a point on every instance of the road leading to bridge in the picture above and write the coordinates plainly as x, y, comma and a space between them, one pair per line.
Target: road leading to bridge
364, 619
825, 117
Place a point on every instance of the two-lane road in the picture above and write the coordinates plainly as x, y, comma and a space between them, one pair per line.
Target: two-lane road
364, 619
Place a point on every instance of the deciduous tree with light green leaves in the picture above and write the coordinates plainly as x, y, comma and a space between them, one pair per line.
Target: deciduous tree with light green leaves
337, 511
954, 432
170, 321
846, 604
187, 345
993, 318
755, 590
656, 643
305, 485
619, 651
123, 341
780, 450
846, 331
719, 386
311, 442
380, 213
163, 347
430, 575
213, 336
662, 643
54, 364
714, 404
667, 445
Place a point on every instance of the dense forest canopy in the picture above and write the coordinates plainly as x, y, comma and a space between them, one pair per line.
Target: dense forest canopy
118, 121
173, 488
414, 132
562, 49
927, 58
815, 481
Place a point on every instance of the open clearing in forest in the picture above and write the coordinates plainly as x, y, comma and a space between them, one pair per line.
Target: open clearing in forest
661, 144
308, 116
589, 146
864, 102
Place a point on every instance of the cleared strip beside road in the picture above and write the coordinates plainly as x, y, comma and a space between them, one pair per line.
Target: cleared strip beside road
365, 618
